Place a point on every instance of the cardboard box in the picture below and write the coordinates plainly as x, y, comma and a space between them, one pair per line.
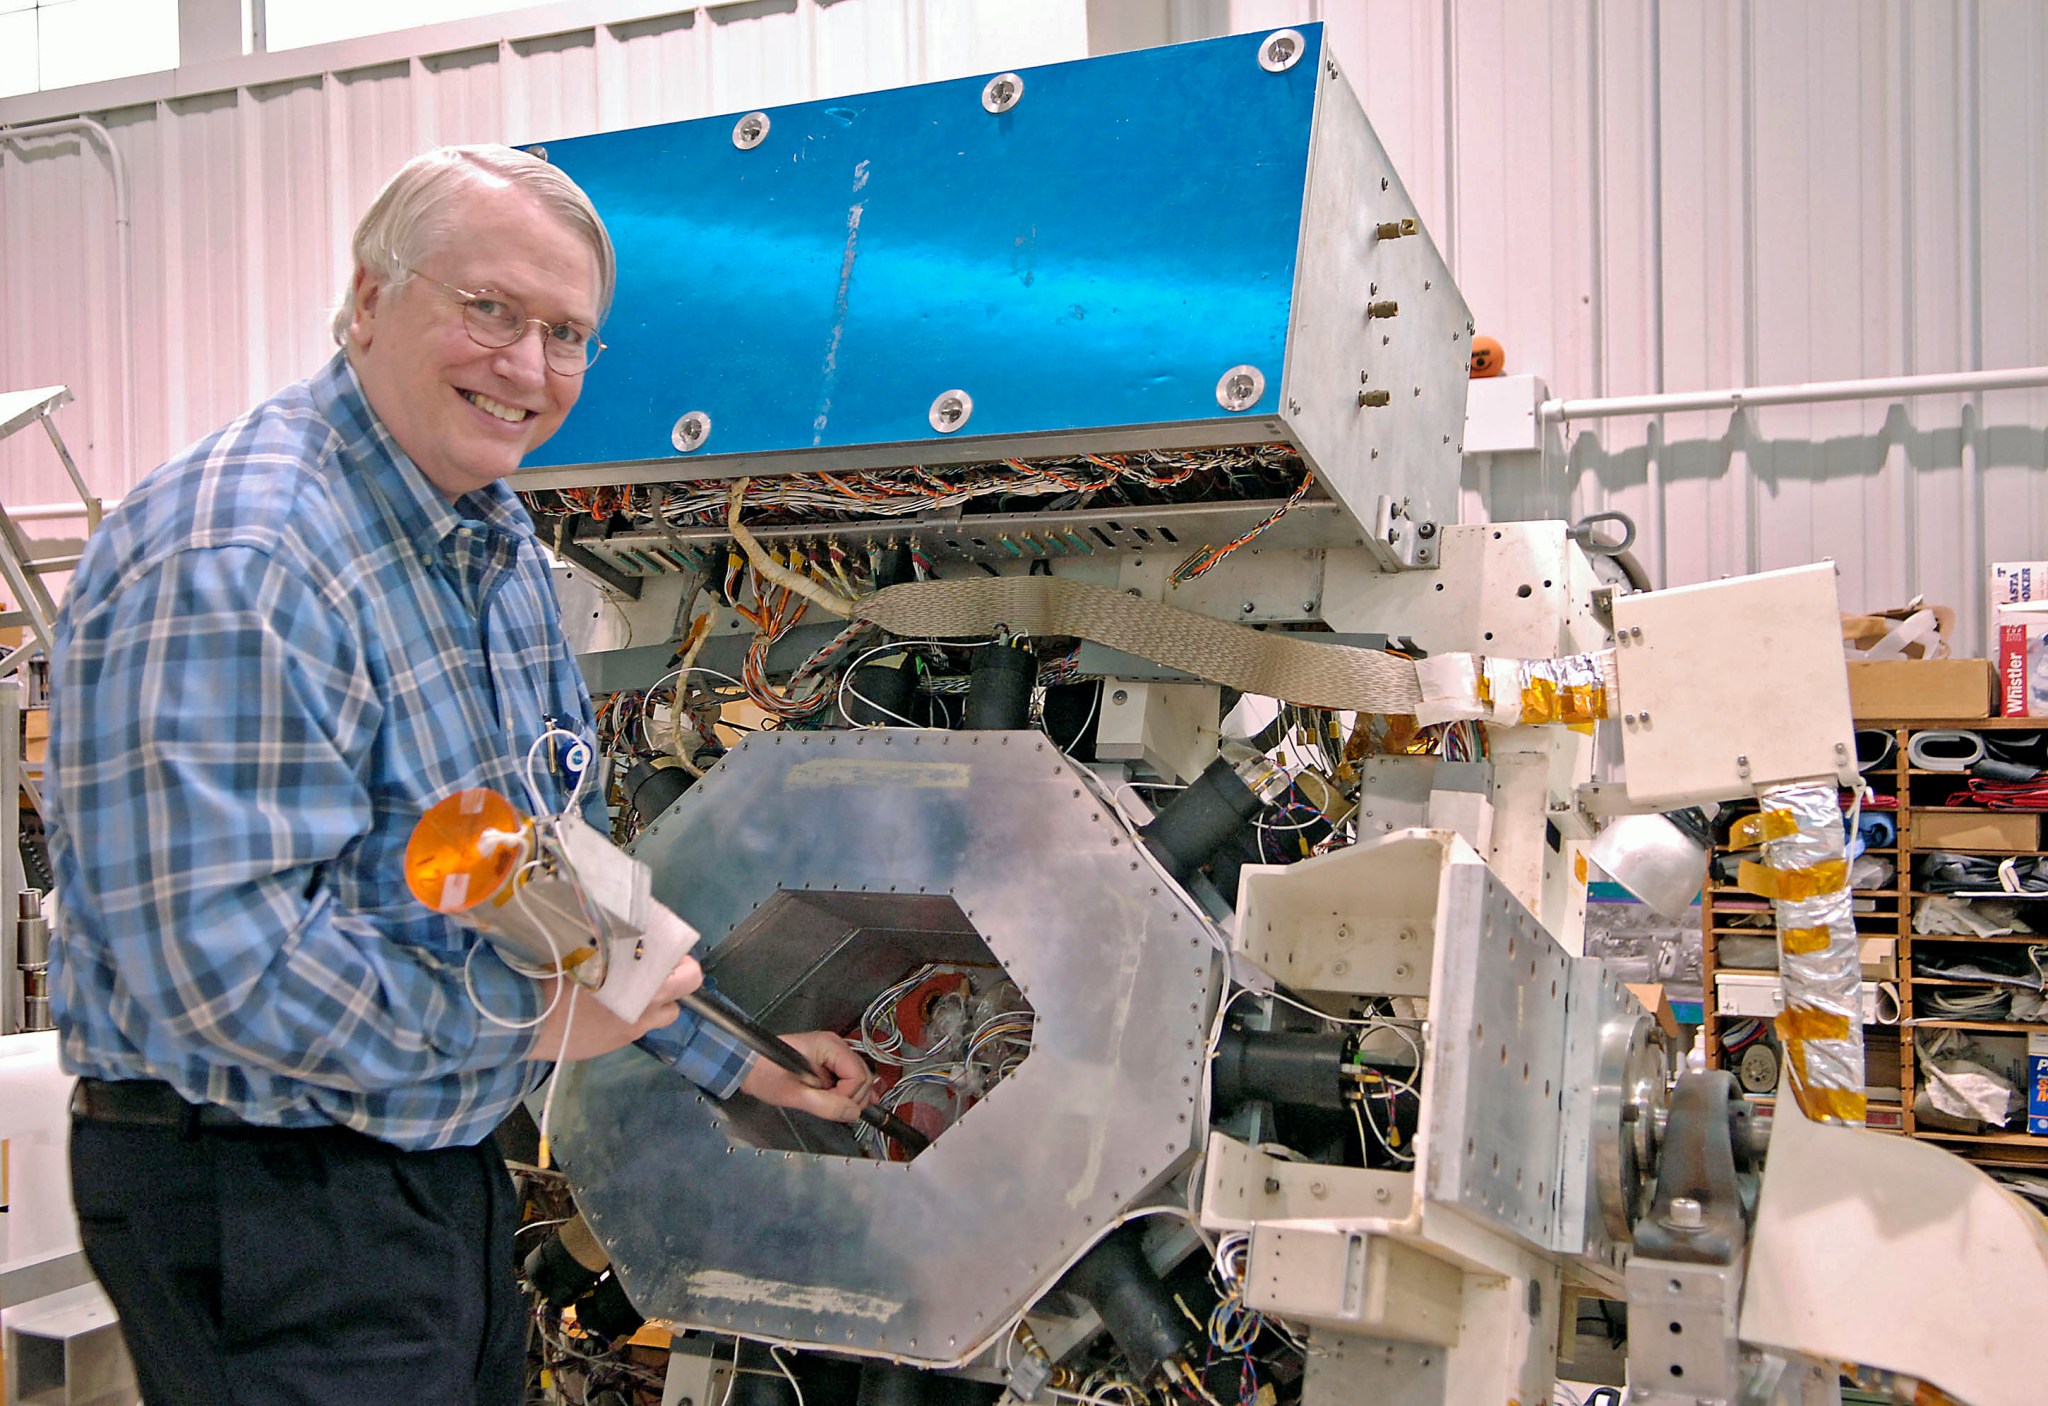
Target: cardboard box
2023, 661
2011, 830
1762, 996
1926, 633
2014, 583
1880, 958
2037, 1083
1651, 994
1922, 688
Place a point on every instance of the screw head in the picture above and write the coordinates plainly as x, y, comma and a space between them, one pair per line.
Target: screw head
951, 410
1282, 50
750, 131
1272, 1186
691, 432
1686, 1214
1380, 1193
1247, 607
1120, 697
1002, 92
1240, 388
540, 151
1318, 1189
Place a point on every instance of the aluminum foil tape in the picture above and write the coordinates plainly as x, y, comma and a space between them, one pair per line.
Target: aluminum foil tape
1805, 874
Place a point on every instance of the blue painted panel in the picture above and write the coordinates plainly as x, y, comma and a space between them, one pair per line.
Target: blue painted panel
1095, 258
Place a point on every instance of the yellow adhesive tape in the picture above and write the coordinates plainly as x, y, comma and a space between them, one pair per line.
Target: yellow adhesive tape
1546, 701
1802, 941
1832, 1105
1753, 830
1804, 1023
1793, 885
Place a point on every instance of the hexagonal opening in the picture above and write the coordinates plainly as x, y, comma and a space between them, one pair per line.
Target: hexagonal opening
906, 978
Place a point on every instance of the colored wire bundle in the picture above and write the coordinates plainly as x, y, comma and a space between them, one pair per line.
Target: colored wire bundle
1240, 472
1204, 561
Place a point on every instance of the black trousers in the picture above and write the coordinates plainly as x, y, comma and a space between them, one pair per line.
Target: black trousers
257, 1267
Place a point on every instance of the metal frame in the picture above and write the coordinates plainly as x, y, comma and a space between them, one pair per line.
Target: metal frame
710, 1228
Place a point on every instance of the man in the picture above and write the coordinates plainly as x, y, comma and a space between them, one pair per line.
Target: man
286, 644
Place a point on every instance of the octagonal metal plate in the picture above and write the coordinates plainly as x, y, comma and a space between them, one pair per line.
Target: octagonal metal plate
924, 1260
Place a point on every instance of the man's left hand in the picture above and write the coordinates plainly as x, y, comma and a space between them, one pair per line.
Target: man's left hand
853, 1086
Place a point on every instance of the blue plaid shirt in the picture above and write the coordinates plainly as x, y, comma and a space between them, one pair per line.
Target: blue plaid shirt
277, 653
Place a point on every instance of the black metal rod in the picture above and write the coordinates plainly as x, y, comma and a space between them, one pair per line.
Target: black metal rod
708, 1004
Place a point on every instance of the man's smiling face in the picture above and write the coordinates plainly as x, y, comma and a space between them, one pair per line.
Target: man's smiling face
467, 414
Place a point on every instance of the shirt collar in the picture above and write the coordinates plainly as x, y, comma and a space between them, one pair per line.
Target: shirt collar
425, 515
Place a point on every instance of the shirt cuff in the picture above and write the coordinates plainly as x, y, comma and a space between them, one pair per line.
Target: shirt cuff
702, 1053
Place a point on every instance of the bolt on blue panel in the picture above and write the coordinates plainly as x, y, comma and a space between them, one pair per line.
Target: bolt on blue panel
1097, 257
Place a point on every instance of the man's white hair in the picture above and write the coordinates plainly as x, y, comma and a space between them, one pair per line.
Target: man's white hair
409, 215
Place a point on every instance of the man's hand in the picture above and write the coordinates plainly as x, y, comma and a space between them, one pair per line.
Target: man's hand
853, 1087
595, 1030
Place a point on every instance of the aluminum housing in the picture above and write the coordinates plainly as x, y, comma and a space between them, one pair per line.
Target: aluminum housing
1191, 246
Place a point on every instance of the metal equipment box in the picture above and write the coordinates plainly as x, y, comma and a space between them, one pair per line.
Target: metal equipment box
1189, 247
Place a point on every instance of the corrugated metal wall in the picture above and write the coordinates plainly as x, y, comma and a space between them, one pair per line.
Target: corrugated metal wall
1634, 196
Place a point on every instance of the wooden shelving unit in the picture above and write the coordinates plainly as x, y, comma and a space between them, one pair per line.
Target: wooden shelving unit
1888, 912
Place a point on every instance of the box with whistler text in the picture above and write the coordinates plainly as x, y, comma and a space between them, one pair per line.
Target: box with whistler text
2023, 660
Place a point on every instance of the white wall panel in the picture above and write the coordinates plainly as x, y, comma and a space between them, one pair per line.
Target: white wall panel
1635, 195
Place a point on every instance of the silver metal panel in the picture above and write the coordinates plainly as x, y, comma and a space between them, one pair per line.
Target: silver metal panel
1373, 1372
1598, 998
1407, 452
1684, 1350
915, 1260
1498, 1018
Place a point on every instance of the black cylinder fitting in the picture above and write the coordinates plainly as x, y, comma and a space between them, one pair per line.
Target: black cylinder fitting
1119, 1284
999, 688
1300, 1069
653, 784
1191, 827
557, 1274
879, 695
607, 1312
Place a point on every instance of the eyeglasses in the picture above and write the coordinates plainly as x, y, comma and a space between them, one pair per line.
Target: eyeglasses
495, 320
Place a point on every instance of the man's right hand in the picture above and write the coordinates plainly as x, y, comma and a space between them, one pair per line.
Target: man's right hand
596, 1030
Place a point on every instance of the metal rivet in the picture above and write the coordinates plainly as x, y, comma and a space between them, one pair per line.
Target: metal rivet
951, 410
1240, 388
1001, 92
539, 151
1282, 50
750, 131
1248, 607
690, 432
1119, 697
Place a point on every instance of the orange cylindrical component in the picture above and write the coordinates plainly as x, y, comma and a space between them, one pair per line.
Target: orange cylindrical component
464, 850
